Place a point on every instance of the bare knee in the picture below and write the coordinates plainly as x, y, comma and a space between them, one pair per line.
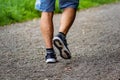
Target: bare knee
47, 15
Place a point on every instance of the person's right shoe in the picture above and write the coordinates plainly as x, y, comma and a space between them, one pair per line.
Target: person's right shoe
51, 58
60, 43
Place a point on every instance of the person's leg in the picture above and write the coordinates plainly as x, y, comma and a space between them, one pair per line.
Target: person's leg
47, 30
46, 27
67, 19
59, 41
69, 12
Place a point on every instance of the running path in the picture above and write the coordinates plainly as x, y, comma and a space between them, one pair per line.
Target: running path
94, 41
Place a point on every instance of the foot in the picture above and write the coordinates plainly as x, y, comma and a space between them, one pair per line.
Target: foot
50, 58
60, 43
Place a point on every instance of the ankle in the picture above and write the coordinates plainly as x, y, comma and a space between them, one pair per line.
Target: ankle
49, 50
62, 34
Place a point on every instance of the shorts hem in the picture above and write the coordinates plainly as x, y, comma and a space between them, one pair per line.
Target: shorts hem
41, 10
74, 7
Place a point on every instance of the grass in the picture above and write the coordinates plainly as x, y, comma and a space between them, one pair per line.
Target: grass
91, 3
12, 11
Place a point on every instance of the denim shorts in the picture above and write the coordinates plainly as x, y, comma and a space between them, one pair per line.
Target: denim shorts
49, 5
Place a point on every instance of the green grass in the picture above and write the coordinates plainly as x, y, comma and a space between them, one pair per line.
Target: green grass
91, 3
12, 11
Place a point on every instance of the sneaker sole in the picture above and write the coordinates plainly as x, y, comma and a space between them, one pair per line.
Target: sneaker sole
64, 52
51, 60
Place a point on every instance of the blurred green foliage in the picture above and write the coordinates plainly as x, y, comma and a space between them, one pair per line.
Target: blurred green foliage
12, 11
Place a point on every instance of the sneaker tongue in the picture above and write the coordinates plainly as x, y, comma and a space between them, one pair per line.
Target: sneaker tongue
50, 52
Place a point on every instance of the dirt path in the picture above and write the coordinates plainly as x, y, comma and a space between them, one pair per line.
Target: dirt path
94, 41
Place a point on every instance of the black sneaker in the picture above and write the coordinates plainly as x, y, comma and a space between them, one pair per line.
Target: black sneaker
60, 43
50, 58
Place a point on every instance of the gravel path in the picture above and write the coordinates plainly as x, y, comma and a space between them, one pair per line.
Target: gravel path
94, 41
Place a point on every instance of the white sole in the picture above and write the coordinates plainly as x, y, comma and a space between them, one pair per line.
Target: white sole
52, 60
